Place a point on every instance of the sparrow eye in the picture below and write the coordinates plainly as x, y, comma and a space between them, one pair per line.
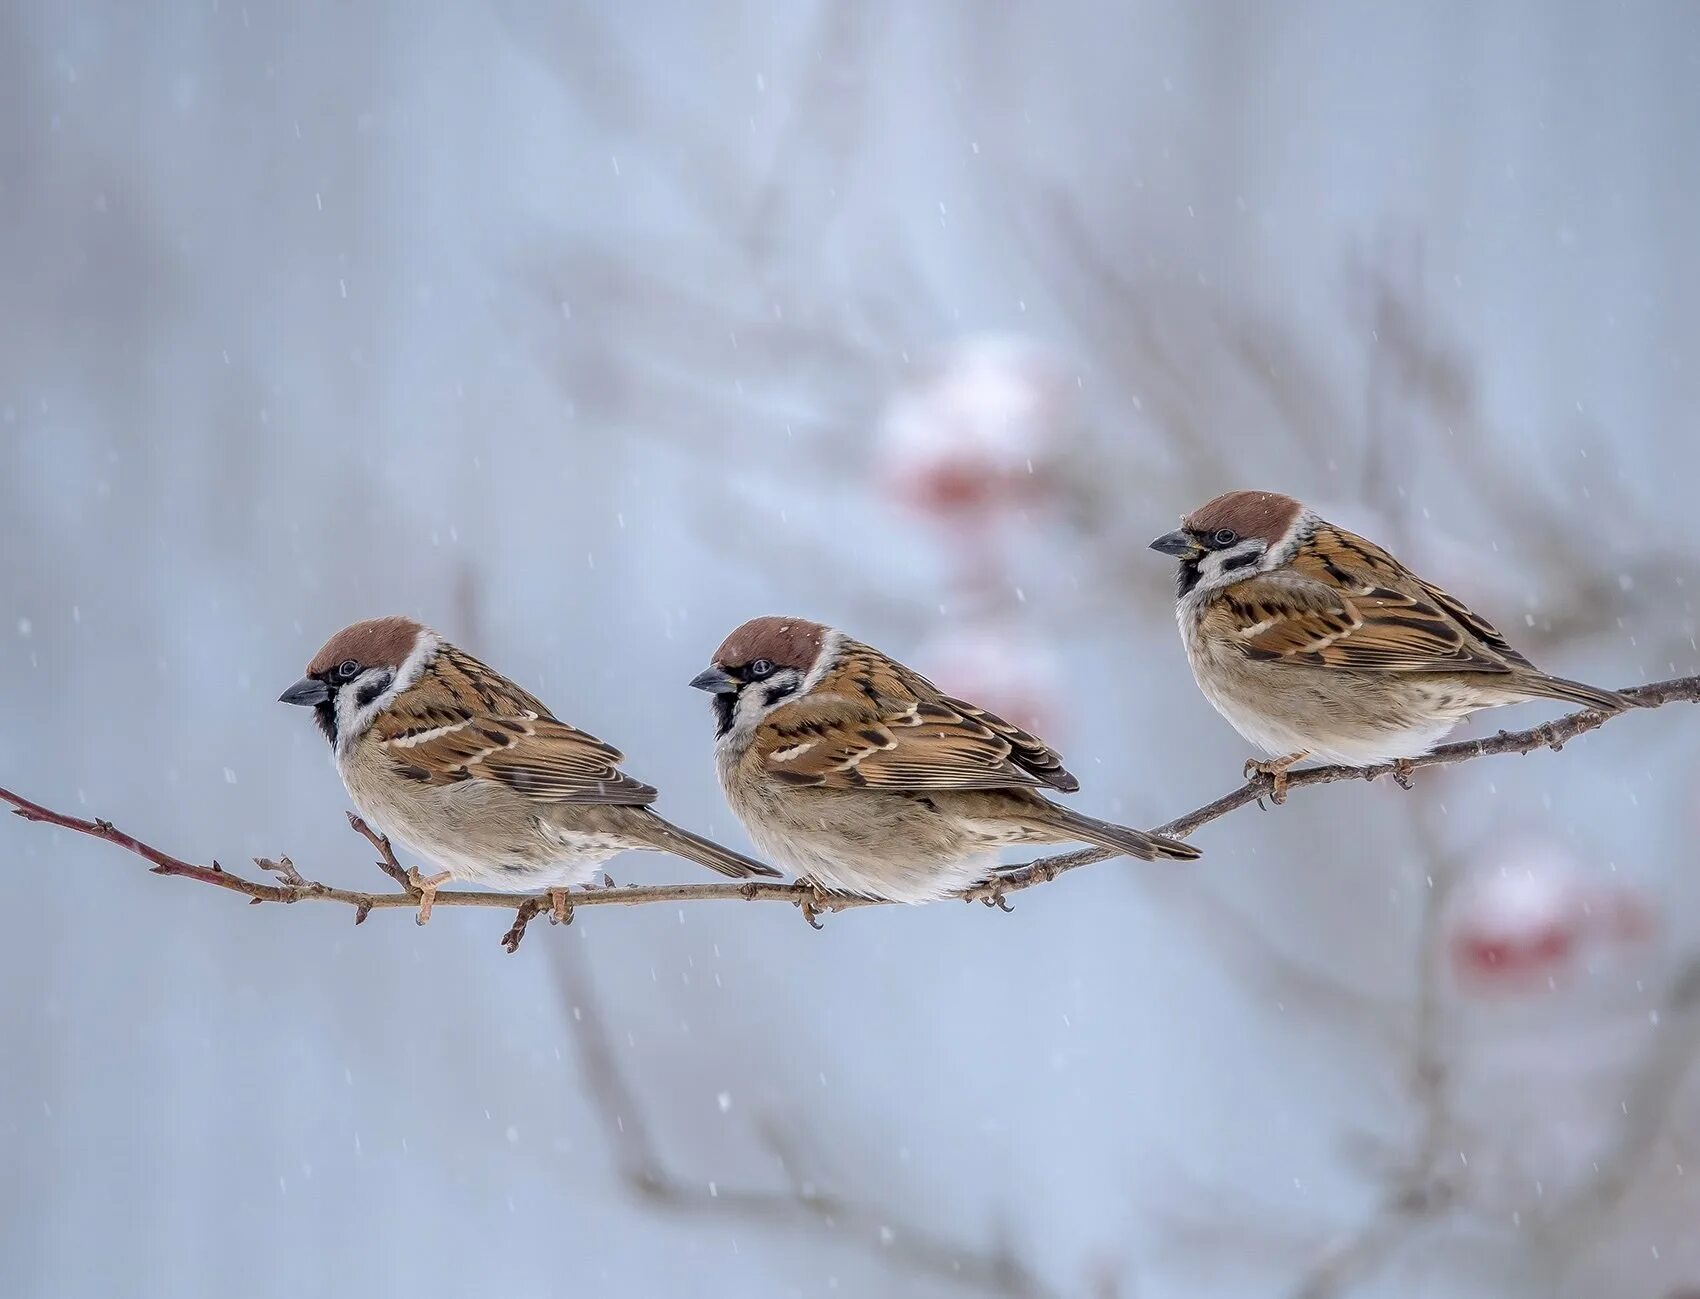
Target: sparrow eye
348, 669
761, 668
1222, 538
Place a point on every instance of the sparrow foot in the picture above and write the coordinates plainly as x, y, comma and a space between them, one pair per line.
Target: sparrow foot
812, 901
1402, 773
1276, 771
426, 887
560, 907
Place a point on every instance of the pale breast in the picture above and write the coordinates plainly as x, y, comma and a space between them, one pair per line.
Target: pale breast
1336, 716
482, 834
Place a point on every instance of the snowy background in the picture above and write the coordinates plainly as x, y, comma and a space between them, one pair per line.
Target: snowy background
585, 332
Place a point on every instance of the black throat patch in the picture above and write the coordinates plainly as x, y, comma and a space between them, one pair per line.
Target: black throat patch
1187, 576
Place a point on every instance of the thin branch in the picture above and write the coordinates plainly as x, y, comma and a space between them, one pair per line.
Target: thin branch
993, 891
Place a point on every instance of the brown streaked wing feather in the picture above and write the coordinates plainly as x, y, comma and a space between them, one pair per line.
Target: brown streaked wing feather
844, 743
1478, 626
481, 688
1345, 603
1028, 751
462, 721
881, 725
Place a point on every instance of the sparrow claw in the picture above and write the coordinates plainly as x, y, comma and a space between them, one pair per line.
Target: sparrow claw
426, 887
560, 908
1402, 773
1276, 772
812, 901
998, 900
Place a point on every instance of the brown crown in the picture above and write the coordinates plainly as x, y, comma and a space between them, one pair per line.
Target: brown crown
1267, 515
789, 642
377, 642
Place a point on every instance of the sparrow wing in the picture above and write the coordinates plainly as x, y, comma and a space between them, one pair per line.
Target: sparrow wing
1477, 626
1343, 602
466, 722
874, 724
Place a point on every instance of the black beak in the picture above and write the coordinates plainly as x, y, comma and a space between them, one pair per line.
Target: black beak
715, 680
1178, 544
307, 692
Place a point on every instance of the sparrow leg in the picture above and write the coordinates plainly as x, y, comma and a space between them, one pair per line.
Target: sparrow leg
426, 886
1402, 772
812, 902
560, 907
1276, 770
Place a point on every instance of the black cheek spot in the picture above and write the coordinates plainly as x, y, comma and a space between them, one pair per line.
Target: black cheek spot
1239, 561
372, 689
773, 694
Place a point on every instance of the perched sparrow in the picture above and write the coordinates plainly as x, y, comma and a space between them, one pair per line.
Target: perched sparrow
860, 775
459, 761
1316, 643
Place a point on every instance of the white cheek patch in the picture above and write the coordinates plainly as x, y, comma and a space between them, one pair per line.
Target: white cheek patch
752, 700
1296, 532
830, 645
1213, 570
353, 717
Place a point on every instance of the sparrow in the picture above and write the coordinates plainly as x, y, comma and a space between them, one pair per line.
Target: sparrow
448, 754
1315, 643
863, 777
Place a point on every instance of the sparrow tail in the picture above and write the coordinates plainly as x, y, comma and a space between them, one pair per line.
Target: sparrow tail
705, 852
1107, 834
1574, 692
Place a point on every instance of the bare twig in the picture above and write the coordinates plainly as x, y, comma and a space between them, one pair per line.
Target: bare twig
813, 901
386, 855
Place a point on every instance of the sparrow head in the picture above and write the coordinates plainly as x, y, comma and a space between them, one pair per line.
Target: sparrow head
1235, 536
761, 665
359, 671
